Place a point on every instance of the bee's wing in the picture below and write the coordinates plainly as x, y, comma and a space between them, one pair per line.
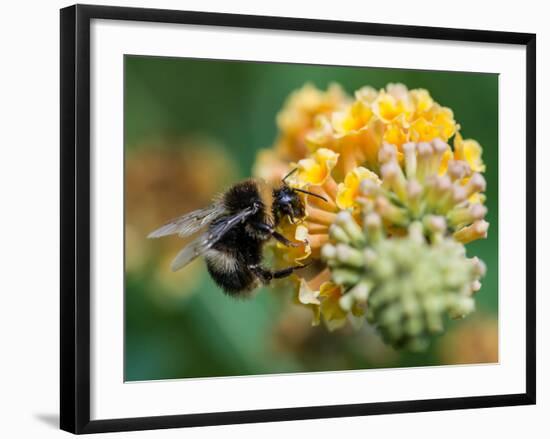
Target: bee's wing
205, 241
190, 223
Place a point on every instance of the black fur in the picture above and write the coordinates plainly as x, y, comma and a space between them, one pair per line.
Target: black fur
244, 242
241, 196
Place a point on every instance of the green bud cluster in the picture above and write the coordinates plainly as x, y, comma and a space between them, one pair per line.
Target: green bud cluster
406, 285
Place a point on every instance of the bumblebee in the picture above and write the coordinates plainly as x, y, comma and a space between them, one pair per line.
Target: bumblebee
237, 225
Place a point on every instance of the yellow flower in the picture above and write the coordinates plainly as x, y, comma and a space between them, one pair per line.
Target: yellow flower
300, 234
443, 119
333, 315
317, 169
307, 295
423, 131
447, 156
395, 133
470, 151
355, 117
422, 100
324, 302
477, 230
303, 105
393, 102
355, 147
437, 123
349, 189
298, 116
310, 298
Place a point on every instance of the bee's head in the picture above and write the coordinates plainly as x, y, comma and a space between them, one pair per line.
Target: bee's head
287, 201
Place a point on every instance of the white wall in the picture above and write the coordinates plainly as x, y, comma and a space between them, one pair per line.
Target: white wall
29, 205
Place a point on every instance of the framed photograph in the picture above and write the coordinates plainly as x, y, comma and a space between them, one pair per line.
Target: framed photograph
304, 218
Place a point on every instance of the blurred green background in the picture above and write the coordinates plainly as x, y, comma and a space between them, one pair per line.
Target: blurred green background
192, 128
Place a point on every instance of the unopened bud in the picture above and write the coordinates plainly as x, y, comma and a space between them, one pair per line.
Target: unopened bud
387, 153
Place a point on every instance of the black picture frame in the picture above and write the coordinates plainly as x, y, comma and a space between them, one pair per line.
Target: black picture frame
75, 217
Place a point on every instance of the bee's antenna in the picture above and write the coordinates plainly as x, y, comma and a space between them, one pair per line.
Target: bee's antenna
312, 194
289, 174
302, 190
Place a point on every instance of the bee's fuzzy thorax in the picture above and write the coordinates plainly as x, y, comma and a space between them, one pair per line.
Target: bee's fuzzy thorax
248, 193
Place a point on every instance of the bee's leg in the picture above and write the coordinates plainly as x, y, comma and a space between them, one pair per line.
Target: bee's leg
285, 272
276, 235
266, 275
284, 240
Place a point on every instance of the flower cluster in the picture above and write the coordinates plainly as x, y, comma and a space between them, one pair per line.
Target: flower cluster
394, 115
388, 244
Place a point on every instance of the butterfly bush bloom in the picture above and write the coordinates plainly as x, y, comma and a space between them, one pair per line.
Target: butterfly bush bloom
405, 285
294, 122
394, 115
388, 244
